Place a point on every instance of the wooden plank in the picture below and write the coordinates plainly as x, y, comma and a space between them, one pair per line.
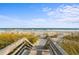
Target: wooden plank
17, 49
33, 52
13, 46
46, 52
55, 48
60, 49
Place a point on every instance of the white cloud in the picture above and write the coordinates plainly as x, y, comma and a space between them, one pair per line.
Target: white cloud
73, 20
39, 20
65, 13
46, 9
6, 21
63, 16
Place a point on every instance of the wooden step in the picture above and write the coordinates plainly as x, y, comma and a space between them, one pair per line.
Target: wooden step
33, 52
39, 52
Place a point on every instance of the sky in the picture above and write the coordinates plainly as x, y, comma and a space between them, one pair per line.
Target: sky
39, 15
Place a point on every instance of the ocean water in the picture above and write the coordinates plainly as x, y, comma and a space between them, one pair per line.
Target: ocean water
39, 29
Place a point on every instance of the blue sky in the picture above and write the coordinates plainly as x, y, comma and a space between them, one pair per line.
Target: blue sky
39, 15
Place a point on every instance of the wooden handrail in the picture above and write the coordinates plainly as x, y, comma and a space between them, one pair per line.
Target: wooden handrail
55, 48
16, 45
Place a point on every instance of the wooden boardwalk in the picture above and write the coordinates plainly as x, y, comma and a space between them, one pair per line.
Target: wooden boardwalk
20, 48
38, 49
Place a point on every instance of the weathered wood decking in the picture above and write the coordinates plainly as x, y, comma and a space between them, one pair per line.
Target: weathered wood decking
20, 48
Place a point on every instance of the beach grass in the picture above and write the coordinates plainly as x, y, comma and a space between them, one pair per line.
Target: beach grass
70, 44
7, 38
